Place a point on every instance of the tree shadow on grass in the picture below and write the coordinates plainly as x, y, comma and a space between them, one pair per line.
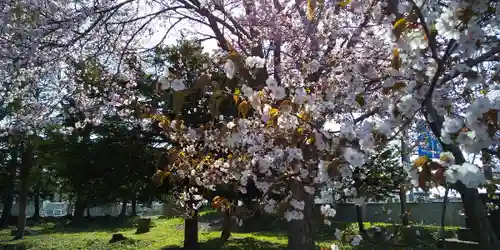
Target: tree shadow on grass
95, 224
5, 245
370, 246
274, 226
408, 238
241, 244
415, 237
234, 244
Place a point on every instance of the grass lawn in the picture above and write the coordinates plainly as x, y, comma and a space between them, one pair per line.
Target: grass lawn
267, 234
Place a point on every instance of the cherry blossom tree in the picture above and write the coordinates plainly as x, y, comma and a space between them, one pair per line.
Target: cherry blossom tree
300, 66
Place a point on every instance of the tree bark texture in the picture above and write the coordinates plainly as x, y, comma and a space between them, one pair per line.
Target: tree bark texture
477, 218
79, 214
191, 232
300, 232
134, 207
474, 208
36, 200
226, 225
7, 208
403, 206
8, 197
123, 212
25, 167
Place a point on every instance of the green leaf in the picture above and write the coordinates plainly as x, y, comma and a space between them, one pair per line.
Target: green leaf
360, 100
448, 108
14, 106
178, 99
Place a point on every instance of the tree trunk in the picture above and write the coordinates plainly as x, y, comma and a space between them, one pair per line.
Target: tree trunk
36, 200
191, 231
405, 159
21, 218
25, 167
123, 212
476, 217
88, 211
79, 214
143, 226
133, 213
69, 210
10, 188
300, 232
403, 206
7, 208
226, 225
475, 209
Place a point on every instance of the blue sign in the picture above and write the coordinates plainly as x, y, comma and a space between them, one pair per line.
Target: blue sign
428, 144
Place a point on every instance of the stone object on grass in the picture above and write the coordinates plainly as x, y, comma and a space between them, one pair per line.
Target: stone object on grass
143, 226
117, 238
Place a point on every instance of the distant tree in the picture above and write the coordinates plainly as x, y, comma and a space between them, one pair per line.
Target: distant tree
199, 105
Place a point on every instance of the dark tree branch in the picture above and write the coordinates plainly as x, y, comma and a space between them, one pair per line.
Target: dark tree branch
164, 35
430, 39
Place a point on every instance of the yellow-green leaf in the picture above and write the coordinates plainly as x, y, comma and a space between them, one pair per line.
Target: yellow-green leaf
344, 3
243, 108
399, 22
360, 100
421, 161
396, 59
311, 8
232, 51
236, 95
399, 27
